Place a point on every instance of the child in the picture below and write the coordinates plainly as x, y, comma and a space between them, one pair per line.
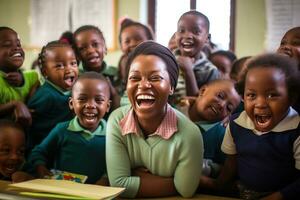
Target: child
223, 61
91, 48
152, 149
191, 36
238, 69
12, 151
131, 34
78, 145
262, 142
290, 44
58, 65
15, 86
216, 101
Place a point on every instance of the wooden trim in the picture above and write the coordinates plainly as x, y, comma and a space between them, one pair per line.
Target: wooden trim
193, 4
152, 14
232, 25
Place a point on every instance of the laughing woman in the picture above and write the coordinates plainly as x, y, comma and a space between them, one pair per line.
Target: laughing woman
152, 150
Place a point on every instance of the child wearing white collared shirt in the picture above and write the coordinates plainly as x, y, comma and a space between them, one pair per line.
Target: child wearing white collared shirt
263, 142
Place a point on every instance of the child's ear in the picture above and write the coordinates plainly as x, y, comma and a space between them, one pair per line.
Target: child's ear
71, 103
108, 105
171, 91
208, 38
44, 72
105, 50
202, 90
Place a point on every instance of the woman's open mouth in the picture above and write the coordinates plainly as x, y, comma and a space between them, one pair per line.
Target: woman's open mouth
145, 101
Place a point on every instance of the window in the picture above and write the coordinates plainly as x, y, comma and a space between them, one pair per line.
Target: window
219, 18
167, 15
169, 11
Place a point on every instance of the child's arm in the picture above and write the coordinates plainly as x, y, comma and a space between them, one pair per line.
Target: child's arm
32, 90
186, 65
151, 185
42, 171
19, 111
225, 179
20, 176
44, 153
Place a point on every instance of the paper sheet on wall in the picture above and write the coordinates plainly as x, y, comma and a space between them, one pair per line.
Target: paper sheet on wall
49, 19
282, 15
97, 13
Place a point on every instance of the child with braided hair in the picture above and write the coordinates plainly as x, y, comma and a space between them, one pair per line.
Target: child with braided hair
58, 65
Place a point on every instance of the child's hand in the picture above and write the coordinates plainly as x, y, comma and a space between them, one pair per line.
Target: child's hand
185, 63
42, 171
15, 79
20, 176
103, 181
22, 114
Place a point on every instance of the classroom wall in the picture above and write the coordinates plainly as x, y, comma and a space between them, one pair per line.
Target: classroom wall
250, 24
250, 27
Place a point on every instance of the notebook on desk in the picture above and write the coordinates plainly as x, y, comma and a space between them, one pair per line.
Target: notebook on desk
65, 189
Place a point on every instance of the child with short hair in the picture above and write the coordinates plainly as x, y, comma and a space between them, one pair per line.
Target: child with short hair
263, 142
91, 48
216, 101
191, 36
15, 86
78, 145
131, 34
238, 69
223, 61
12, 151
290, 44
50, 103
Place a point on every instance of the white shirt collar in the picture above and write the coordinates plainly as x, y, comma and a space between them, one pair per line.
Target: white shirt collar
290, 122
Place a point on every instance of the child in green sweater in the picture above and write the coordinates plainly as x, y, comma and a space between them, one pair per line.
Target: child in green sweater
78, 145
50, 103
15, 86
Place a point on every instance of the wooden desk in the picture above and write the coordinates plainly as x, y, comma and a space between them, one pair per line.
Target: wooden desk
198, 196
8, 194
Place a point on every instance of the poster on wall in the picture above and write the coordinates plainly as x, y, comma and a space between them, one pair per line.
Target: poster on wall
282, 15
98, 13
49, 19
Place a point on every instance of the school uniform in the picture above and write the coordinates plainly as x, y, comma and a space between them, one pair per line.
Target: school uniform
50, 105
74, 149
10, 93
267, 161
175, 150
212, 134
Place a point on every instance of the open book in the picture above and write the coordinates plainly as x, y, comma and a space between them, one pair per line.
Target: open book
65, 189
